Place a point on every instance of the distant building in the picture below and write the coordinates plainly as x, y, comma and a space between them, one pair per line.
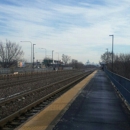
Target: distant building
20, 64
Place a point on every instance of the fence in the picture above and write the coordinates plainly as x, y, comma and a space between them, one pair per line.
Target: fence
121, 83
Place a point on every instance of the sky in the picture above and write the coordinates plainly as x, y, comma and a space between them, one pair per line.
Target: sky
77, 28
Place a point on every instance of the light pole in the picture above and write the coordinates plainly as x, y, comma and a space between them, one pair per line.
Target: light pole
33, 55
4, 55
52, 56
112, 49
31, 49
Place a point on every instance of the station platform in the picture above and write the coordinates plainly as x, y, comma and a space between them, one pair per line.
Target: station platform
93, 104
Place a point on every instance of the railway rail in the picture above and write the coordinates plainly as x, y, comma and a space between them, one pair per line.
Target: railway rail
11, 88
19, 104
22, 77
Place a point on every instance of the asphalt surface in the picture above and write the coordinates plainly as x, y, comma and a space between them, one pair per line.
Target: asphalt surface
96, 108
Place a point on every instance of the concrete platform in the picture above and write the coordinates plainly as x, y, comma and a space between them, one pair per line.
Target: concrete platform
47, 118
97, 107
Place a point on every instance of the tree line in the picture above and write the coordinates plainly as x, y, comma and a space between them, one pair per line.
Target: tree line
121, 63
11, 53
66, 60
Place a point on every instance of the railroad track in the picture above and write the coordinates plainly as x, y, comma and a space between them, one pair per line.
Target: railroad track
37, 99
7, 79
10, 89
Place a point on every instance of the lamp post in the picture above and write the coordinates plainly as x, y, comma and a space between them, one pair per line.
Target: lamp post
31, 49
33, 55
52, 56
112, 49
4, 55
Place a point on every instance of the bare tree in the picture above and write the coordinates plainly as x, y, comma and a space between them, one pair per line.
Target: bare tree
10, 52
107, 57
65, 58
121, 63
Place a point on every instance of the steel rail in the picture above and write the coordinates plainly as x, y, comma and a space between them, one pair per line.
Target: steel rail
13, 76
32, 91
25, 81
22, 80
11, 91
29, 106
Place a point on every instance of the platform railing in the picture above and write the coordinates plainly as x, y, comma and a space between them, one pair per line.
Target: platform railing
122, 84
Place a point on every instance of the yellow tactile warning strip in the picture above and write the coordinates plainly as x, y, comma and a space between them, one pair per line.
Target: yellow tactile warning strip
47, 118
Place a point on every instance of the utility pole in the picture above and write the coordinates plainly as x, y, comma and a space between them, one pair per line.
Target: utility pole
52, 56
112, 49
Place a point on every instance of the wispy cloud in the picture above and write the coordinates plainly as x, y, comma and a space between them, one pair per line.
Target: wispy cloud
77, 28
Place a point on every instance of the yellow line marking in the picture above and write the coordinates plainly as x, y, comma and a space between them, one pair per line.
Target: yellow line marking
47, 118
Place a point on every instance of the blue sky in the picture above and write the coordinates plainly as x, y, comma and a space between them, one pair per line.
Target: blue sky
77, 28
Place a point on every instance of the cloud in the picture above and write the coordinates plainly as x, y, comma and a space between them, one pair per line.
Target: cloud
77, 28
